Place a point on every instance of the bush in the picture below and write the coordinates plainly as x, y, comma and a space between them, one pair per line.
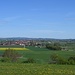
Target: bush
29, 60
56, 59
62, 61
71, 60
10, 55
53, 47
5, 59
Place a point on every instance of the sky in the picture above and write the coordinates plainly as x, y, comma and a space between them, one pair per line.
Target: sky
37, 18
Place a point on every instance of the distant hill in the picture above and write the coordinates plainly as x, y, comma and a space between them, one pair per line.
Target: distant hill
25, 38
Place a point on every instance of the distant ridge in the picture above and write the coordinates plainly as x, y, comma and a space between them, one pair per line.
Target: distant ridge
26, 38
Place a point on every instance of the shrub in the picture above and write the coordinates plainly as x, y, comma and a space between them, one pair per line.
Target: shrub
56, 59
53, 47
62, 60
29, 60
11, 55
71, 60
5, 59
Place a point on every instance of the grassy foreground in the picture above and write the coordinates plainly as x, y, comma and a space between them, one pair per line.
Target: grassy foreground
35, 69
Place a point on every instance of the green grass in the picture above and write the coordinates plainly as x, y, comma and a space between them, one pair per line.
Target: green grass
37, 48
41, 67
36, 69
41, 55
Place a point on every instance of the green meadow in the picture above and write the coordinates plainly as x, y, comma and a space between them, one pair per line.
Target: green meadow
40, 55
41, 67
35, 69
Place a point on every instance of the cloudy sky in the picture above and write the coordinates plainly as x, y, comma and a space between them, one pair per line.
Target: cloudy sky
37, 18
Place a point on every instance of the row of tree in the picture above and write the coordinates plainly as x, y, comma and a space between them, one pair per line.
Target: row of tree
54, 46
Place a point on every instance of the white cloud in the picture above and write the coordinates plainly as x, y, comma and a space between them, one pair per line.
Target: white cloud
35, 9
70, 14
8, 19
47, 31
2, 21
70, 18
11, 18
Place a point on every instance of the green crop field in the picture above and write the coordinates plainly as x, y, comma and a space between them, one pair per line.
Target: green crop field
40, 55
35, 69
41, 67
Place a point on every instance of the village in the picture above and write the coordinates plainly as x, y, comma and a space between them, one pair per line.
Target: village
22, 43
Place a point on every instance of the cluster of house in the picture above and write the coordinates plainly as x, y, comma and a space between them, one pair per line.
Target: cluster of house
21, 42
26, 43
18, 42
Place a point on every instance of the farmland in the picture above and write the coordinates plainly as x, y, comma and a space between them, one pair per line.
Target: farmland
37, 37
36, 69
41, 67
40, 55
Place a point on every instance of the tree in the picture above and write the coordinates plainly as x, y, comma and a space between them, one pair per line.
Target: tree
29, 60
71, 60
10, 55
53, 46
56, 59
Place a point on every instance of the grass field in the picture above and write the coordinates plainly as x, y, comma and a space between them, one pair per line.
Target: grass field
40, 55
41, 67
36, 69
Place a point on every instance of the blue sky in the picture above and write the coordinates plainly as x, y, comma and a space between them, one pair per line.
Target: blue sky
37, 18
